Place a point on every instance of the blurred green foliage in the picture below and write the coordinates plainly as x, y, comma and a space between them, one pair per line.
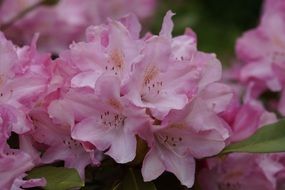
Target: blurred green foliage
218, 23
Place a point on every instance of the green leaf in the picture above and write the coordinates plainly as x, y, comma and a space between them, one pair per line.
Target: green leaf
134, 181
270, 138
58, 178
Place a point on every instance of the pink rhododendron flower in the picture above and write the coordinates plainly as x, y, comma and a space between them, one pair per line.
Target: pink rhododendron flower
118, 86
24, 78
14, 163
113, 122
240, 172
183, 136
167, 78
279, 177
110, 49
116, 90
69, 19
60, 145
262, 51
245, 119
153, 84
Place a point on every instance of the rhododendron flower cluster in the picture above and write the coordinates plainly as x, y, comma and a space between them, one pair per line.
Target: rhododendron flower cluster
102, 95
260, 69
66, 22
156, 90
244, 171
262, 52
23, 80
151, 102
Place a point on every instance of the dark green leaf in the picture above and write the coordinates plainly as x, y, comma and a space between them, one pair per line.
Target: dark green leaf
58, 178
134, 181
270, 138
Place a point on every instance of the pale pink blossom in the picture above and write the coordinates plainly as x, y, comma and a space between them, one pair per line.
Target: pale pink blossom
110, 48
167, 77
118, 85
190, 127
193, 132
113, 123
262, 51
66, 22
280, 176
60, 145
24, 78
240, 172
103, 94
14, 162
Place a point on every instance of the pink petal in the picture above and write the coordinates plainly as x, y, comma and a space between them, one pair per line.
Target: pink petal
132, 23
217, 96
202, 146
167, 25
184, 46
73, 157
182, 167
209, 122
20, 183
211, 68
88, 131
123, 147
152, 166
13, 164
108, 87
84, 79
8, 56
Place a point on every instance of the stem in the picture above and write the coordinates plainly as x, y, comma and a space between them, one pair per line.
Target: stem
23, 13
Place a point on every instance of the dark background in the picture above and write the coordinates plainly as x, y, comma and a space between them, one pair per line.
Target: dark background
218, 23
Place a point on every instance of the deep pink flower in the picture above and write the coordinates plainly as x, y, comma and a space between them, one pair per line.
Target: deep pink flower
245, 119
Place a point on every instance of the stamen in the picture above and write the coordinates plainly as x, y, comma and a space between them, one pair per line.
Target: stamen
117, 58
